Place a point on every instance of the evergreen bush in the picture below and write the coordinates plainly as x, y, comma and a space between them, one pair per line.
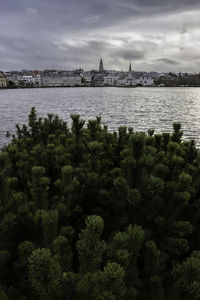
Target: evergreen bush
89, 214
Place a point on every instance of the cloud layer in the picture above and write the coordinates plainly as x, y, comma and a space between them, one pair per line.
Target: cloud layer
154, 34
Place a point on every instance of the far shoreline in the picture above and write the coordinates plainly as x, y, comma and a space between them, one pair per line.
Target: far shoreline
96, 86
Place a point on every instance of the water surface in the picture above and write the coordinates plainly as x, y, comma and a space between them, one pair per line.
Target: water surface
140, 108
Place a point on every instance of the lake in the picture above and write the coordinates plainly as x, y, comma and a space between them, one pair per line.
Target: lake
140, 108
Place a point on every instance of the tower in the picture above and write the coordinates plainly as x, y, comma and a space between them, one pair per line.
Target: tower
101, 66
130, 68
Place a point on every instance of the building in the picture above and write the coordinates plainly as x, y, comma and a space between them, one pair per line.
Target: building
97, 77
132, 78
23, 78
30, 79
3, 81
130, 67
144, 79
127, 79
101, 70
87, 77
111, 78
61, 79
11, 78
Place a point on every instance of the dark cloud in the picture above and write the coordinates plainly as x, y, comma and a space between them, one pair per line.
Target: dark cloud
184, 30
168, 61
129, 54
68, 34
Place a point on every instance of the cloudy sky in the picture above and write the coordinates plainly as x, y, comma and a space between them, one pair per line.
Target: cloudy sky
159, 35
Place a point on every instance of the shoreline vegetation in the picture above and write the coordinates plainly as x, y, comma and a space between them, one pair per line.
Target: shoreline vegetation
90, 214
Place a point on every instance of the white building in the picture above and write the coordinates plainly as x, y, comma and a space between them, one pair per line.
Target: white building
132, 78
18, 78
127, 79
29, 79
61, 79
145, 80
111, 78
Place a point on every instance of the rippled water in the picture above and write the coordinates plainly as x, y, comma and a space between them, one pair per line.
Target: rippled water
140, 108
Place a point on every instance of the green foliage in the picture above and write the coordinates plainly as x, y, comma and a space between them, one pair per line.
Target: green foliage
44, 273
3, 295
89, 245
88, 214
62, 252
187, 276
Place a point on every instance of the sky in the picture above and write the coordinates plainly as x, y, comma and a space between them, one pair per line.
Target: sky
155, 35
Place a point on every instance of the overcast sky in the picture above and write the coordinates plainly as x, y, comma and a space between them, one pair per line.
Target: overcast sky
159, 35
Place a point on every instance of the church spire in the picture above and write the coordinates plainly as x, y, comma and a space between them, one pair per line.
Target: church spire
101, 66
130, 68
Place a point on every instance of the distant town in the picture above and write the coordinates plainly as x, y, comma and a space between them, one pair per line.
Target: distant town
95, 78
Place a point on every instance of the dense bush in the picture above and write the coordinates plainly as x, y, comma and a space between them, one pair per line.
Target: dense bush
89, 214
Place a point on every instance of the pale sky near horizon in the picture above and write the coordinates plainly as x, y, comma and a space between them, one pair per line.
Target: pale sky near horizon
155, 35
